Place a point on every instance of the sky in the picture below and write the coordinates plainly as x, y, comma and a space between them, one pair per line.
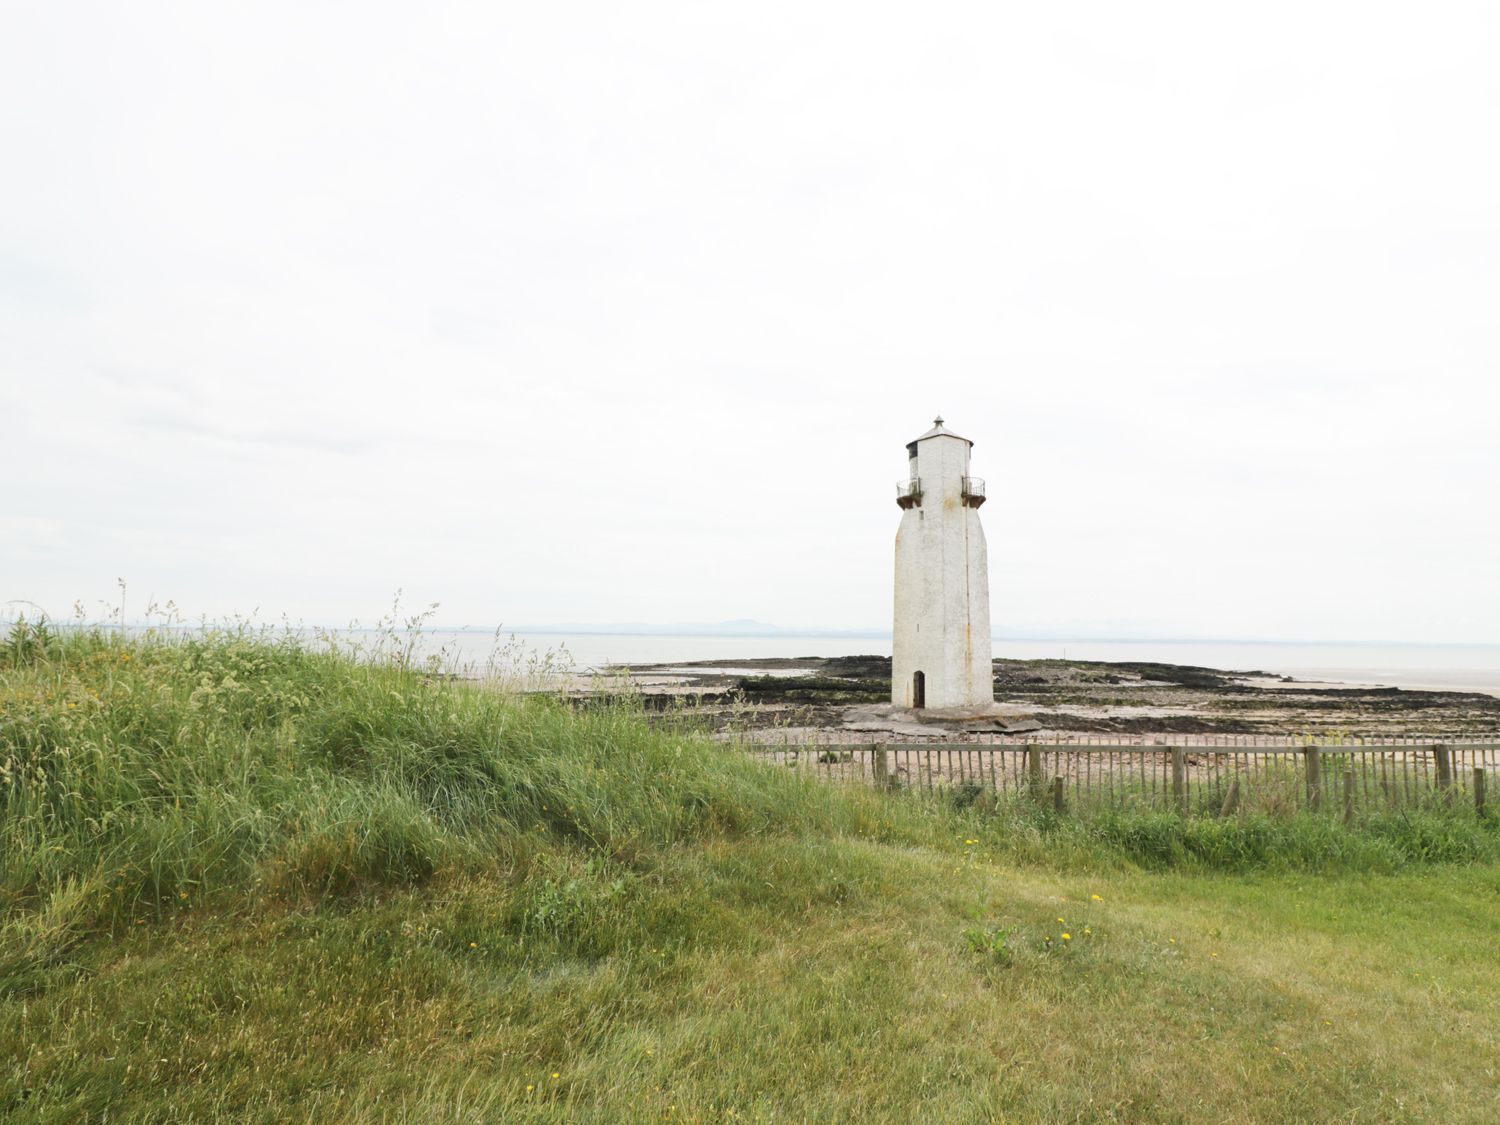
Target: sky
594, 312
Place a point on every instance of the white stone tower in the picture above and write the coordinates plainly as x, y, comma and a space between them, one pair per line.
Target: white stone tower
942, 654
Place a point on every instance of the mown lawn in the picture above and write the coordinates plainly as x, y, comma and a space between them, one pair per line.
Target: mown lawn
330, 892
774, 980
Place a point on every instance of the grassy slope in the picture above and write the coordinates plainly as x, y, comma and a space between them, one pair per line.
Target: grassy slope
246, 880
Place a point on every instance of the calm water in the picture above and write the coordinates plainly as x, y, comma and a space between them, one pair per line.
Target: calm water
1454, 667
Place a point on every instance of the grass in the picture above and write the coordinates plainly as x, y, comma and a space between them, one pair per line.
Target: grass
246, 880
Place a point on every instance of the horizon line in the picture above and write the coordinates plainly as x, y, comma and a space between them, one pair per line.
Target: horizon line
770, 632
886, 634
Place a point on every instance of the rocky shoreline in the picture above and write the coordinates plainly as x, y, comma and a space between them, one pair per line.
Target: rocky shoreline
1052, 698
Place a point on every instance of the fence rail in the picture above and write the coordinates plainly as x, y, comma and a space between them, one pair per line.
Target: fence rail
1216, 778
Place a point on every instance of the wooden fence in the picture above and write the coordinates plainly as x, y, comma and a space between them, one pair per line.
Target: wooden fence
1206, 777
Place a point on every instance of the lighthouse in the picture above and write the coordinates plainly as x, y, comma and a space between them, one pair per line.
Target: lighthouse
941, 657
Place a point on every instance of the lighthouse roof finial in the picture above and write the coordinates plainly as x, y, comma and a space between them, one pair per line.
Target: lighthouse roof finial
939, 431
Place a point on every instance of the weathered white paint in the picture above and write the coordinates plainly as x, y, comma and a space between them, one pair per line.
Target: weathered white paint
942, 625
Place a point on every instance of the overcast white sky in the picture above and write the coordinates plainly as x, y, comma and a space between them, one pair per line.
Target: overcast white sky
625, 312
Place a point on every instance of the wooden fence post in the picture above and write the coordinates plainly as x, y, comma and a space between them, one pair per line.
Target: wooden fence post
1232, 798
1348, 796
1479, 790
1444, 771
881, 766
1314, 777
1034, 767
1179, 779
1059, 805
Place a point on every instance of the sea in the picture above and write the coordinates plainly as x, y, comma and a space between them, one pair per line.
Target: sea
1433, 667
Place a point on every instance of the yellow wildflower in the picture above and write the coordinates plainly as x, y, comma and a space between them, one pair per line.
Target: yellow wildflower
1067, 937
1095, 898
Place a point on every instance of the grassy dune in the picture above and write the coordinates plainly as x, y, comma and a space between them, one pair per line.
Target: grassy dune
245, 880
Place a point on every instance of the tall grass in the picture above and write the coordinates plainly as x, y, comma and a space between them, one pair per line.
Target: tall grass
139, 774
245, 876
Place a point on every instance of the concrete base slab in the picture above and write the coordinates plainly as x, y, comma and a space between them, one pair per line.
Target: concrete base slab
927, 722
